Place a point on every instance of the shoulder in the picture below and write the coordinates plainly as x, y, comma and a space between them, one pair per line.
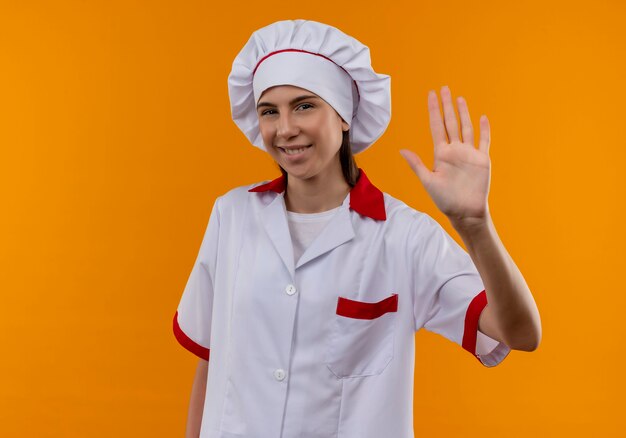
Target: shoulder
399, 212
414, 228
237, 197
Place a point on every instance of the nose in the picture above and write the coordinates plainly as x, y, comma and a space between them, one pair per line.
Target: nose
286, 127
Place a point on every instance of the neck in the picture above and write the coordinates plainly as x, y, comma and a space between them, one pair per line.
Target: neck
322, 192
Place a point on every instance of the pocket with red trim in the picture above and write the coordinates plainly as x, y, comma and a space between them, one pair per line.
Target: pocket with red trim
361, 339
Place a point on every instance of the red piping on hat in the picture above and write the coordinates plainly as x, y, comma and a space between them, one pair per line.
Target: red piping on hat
311, 53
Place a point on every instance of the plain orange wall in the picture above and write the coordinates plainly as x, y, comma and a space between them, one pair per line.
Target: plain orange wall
116, 136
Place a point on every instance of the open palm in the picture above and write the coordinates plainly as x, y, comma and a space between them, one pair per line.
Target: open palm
459, 181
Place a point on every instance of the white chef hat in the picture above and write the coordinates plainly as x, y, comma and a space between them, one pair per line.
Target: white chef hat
318, 58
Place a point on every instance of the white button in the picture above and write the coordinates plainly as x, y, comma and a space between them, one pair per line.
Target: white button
279, 374
290, 289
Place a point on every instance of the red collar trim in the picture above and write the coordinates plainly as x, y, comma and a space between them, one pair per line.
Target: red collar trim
365, 198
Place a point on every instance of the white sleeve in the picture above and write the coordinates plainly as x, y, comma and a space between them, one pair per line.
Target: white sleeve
449, 293
192, 320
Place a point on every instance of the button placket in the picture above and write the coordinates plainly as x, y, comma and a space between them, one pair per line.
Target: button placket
280, 374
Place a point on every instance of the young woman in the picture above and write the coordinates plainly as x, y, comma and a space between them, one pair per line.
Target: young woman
308, 289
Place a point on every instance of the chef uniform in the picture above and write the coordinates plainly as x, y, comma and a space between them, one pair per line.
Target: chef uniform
313, 335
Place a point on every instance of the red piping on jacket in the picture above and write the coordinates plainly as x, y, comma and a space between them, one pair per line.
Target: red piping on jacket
188, 343
472, 315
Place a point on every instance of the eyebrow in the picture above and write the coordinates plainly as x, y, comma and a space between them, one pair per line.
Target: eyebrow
296, 100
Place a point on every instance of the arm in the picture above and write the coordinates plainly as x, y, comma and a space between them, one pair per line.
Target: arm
511, 316
459, 186
196, 402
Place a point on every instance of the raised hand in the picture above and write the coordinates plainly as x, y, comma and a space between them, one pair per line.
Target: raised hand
459, 181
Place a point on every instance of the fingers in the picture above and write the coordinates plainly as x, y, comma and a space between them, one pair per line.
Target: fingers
448, 114
485, 135
448, 126
422, 172
466, 122
437, 129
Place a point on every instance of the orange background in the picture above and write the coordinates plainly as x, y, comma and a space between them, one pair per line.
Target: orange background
116, 136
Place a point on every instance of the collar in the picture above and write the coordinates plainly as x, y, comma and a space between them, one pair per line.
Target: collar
365, 198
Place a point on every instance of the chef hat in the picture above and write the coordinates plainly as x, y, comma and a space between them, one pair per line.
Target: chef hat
316, 57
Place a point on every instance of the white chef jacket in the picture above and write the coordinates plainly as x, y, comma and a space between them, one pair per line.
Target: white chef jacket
324, 347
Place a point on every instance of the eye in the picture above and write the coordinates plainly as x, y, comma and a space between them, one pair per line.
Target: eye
305, 105
266, 112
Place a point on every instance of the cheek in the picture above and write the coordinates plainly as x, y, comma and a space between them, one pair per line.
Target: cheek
327, 128
266, 133
333, 134
262, 128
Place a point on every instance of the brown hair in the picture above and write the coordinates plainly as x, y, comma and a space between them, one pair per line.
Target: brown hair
348, 164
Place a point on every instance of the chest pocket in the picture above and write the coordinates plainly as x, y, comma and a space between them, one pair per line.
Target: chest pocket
361, 339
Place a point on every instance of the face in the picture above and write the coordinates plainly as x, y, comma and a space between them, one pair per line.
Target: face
291, 118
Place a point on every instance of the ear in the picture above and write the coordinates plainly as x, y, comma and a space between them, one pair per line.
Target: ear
344, 126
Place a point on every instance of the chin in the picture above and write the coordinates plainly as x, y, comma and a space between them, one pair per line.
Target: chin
297, 173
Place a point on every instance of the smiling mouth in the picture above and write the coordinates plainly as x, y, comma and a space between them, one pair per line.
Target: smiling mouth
294, 151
